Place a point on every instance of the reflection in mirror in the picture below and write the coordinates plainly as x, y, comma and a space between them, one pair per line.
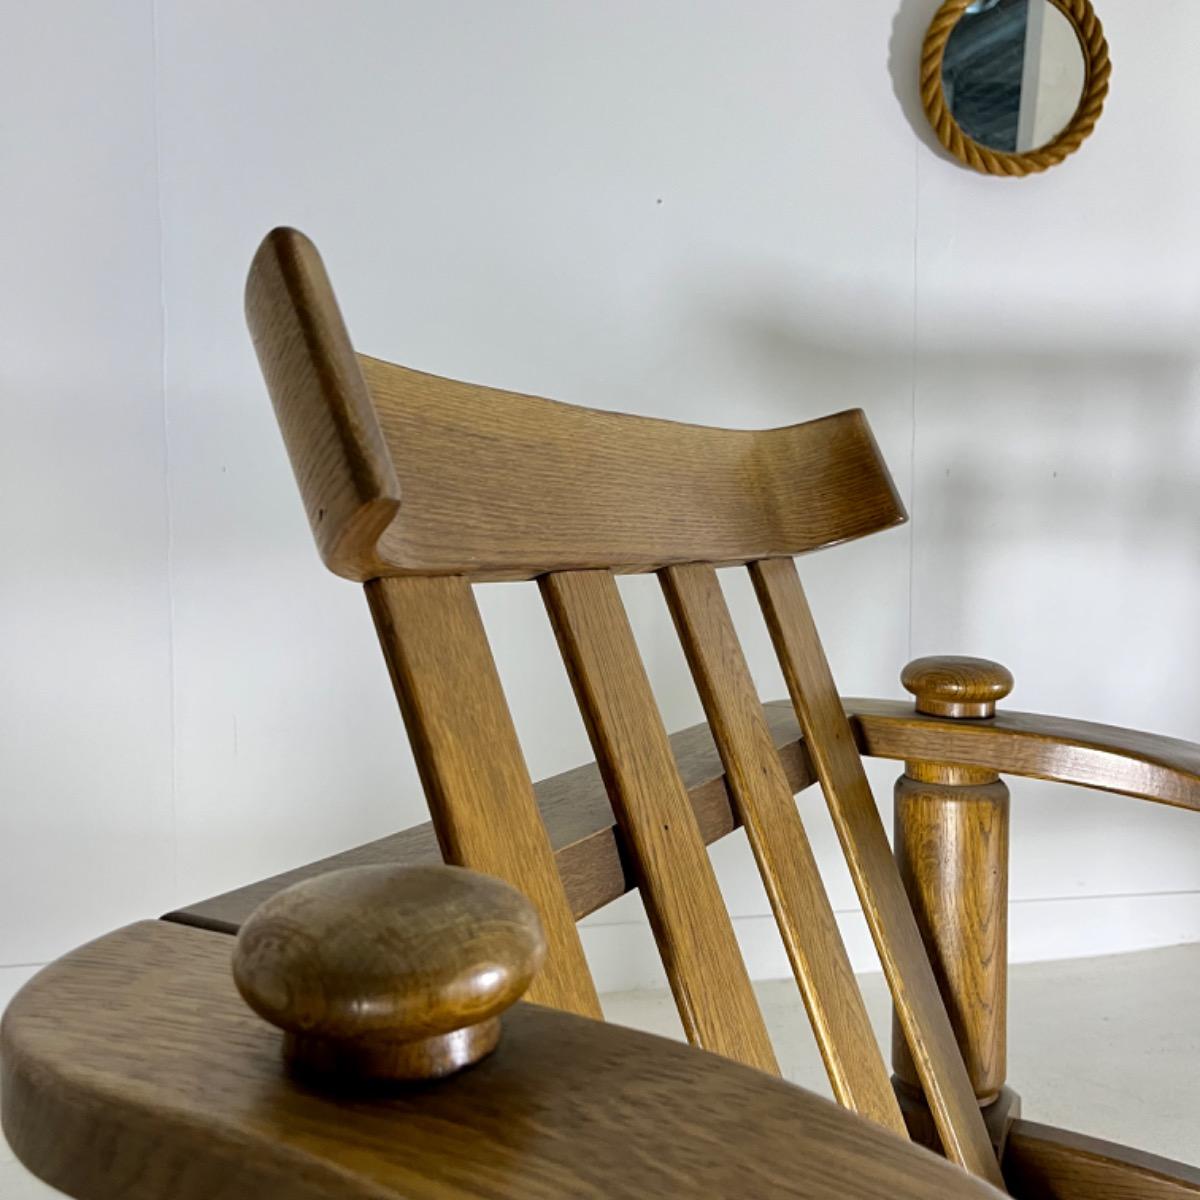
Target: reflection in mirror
1013, 73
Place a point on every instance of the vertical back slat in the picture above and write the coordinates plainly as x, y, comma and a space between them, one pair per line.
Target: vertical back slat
767, 807
475, 778
830, 742
693, 929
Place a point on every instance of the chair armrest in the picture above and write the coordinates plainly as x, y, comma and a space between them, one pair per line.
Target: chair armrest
1042, 1162
132, 1070
1133, 763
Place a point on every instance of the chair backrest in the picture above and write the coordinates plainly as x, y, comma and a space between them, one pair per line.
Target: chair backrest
420, 487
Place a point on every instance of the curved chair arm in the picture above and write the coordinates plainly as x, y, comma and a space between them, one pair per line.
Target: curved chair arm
132, 1070
1056, 1164
1133, 763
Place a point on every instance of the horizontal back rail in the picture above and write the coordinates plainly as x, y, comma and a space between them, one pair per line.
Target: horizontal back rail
580, 823
405, 473
501, 485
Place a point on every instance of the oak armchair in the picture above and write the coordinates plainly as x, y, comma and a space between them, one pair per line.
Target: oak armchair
420, 488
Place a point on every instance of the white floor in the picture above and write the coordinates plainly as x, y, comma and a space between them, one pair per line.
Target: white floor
1107, 1046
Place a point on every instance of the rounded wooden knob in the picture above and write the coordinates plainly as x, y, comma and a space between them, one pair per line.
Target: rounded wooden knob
389, 972
947, 685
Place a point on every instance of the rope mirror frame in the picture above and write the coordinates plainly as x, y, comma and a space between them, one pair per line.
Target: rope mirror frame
1097, 69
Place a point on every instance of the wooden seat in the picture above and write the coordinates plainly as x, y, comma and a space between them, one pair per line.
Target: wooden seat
421, 489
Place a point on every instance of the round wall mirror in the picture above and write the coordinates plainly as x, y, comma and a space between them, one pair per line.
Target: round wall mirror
1014, 86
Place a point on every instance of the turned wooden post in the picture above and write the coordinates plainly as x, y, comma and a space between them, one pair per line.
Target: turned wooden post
388, 973
951, 842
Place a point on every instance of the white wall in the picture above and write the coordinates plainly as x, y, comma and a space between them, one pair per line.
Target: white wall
86, 822
724, 212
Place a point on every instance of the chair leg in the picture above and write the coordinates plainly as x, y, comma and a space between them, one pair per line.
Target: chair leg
951, 843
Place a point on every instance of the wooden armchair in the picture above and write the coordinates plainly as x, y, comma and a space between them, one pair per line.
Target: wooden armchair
419, 488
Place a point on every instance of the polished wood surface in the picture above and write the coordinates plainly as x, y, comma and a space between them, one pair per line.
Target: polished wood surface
481, 469
951, 842
952, 846
389, 972
407, 473
1107, 757
690, 922
998, 1116
472, 769
350, 488
915, 995
582, 829
1045, 1163
764, 800
132, 1070
949, 685
579, 820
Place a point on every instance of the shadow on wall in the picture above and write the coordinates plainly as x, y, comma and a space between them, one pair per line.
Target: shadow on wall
904, 66
1056, 503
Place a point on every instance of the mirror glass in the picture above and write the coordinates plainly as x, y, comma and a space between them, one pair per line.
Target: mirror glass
1013, 73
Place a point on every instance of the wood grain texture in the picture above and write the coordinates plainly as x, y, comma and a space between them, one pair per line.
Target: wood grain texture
583, 830
407, 473
1129, 761
951, 843
998, 1117
951, 685
691, 925
763, 796
1042, 1162
472, 769
349, 486
579, 820
133, 1071
876, 877
495, 484
389, 972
